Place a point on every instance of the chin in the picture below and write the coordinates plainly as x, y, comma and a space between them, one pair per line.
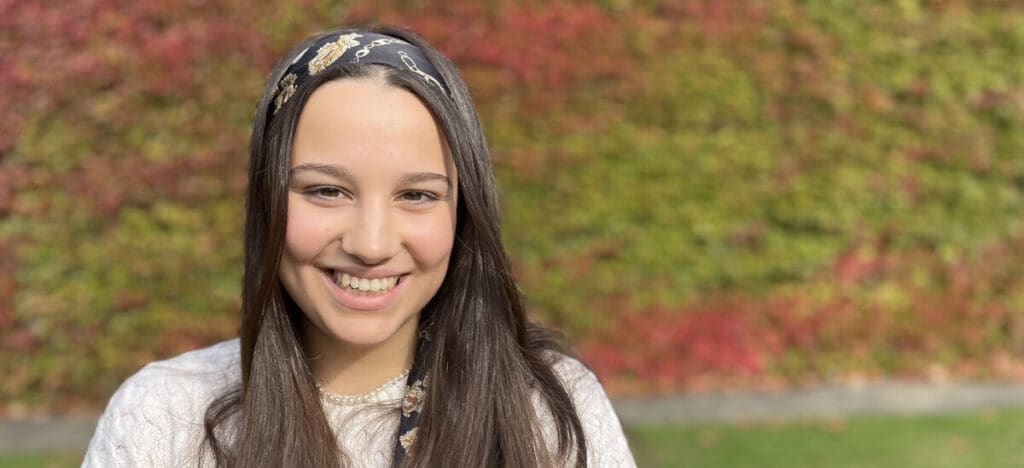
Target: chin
369, 332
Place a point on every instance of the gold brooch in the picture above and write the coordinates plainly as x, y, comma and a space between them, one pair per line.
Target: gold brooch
285, 90
332, 51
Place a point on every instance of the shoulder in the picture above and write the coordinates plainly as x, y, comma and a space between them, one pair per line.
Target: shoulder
583, 386
158, 412
574, 373
606, 442
181, 381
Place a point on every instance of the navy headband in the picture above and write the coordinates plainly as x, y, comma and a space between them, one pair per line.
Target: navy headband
356, 47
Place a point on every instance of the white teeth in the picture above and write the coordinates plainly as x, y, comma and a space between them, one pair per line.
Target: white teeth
346, 280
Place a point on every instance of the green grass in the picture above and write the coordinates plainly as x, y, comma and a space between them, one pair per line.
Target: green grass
40, 460
989, 439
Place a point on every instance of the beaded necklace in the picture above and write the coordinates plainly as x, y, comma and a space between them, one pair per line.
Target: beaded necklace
351, 400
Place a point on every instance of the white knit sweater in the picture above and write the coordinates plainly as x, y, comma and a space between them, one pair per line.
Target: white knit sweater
156, 418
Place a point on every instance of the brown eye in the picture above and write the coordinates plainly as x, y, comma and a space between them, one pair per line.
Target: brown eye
327, 193
418, 196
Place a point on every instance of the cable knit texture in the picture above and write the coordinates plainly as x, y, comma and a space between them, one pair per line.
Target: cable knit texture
156, 417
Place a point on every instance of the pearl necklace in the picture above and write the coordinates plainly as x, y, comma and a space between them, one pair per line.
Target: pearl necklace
350, 400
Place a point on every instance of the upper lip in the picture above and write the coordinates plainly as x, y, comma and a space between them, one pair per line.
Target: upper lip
368, 273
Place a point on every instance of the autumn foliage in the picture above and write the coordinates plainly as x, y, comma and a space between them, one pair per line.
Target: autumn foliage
702, 194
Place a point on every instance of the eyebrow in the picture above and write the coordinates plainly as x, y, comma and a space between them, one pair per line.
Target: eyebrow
334, 171
424, 177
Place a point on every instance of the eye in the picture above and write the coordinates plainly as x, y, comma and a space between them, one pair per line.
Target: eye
418, 196
326, 192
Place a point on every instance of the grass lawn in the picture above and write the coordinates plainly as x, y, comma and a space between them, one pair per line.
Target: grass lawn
988, 439
40, 460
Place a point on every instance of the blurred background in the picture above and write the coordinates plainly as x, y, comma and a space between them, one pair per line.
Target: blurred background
703, 195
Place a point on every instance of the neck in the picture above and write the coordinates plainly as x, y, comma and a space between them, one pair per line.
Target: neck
354, 370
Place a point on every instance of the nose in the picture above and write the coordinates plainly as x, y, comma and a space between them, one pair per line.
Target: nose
373, 237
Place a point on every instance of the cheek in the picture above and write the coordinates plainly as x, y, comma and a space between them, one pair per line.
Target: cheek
307, 234
430, 240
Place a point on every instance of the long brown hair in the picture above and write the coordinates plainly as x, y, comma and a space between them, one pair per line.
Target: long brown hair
484, 359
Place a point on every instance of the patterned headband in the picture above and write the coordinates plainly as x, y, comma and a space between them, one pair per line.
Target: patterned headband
378, 49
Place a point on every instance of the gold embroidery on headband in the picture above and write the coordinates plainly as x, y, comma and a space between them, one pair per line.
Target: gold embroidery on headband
332, 51
285, 91
411, 64
379, 42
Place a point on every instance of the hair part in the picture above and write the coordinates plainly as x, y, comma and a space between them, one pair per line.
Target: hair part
484, 360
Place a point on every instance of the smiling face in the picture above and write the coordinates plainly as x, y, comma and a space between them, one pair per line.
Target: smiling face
371, 216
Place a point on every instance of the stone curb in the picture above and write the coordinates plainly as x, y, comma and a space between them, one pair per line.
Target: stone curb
821, 403
51, 435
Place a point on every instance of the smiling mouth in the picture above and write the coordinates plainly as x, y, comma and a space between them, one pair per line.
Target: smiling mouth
363, 285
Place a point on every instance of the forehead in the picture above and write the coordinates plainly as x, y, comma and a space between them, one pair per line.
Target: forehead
357, 122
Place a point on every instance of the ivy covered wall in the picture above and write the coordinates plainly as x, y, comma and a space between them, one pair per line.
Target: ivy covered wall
700, 193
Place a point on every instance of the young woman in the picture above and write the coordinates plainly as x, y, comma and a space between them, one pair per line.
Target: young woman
381, 325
